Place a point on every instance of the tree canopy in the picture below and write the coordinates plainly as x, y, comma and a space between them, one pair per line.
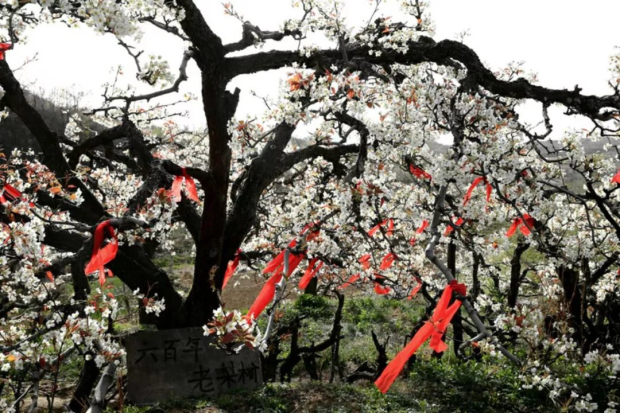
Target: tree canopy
342, 184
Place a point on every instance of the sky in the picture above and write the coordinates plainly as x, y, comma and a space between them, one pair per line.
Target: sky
565, 42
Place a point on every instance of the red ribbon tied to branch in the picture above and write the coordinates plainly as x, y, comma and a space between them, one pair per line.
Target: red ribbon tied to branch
177, 184
231, 268
387, 261
9, 194
374, 229
616, 178
520, 224
380, 289
102, 255
313, 232
473, 185
390, 224
275, 266
415, 289
419, 172
450, 228
365, 261
311, 271
3, 48
422, 227
433, 329
352, 279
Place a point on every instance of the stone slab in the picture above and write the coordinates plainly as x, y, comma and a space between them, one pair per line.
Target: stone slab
184, 363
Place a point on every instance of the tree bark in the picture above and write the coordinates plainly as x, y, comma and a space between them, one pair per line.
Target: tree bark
88, 377
515, 272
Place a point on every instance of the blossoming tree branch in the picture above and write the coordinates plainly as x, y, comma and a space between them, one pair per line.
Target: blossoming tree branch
338, 186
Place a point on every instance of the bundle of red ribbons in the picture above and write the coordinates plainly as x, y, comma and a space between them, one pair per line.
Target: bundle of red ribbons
522, 224
275, 267
473, 186
190, 185
102, 255
433, 329
311, 271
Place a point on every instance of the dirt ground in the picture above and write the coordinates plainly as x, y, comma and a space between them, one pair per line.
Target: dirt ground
241, 291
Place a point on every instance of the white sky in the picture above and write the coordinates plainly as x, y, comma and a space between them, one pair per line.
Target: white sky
565, 42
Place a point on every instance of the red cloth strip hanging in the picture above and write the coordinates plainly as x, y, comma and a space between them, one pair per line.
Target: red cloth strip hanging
190, 185
365, 261
265, 296
419, 172
381, 290
231, 268
416, 289
374, 229
422, 227
387, 261
311, 271
450, 228
275, 267
352, 279
102, 255
433, 330
520, 224
474, 184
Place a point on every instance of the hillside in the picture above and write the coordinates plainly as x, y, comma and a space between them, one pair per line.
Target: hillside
13, 132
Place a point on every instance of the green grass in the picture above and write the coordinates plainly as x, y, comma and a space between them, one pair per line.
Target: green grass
177, 261
431, 386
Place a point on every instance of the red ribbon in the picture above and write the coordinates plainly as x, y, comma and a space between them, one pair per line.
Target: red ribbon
473, 185
374, 229
3, 48
415, 289
275, 266
520, 223
9, 193
231, 268
351, 280
390, 230
387, 261
380, 289
460, 289
422, 227
616, 178
365, 261
190, 185
419, 173
312, 234
265, 296
433, 329
311, 271
449, 228
102, 256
